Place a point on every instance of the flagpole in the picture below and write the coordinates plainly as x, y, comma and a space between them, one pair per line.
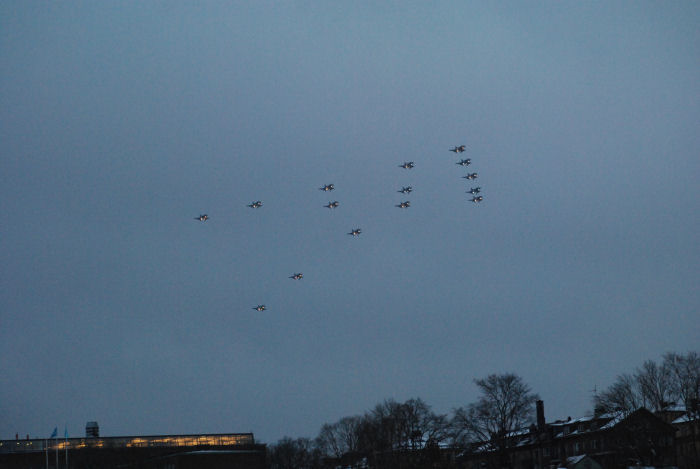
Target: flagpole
53, 436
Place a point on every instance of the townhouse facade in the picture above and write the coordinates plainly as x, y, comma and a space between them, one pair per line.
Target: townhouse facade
613, 441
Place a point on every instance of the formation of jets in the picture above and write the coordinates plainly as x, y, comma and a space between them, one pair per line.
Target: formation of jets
462, 162
469, 176
355, 232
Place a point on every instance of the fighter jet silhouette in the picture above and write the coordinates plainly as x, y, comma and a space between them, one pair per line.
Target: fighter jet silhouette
260, 308
474, 190
406, 190
327, 187
333, 204
471, 176
466, 162
404, 204
204, 217
408, 165
477, 199
459, 149
355, 232
256, 204
297, 276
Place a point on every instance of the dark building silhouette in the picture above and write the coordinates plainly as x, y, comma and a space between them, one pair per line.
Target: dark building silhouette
618, 440
92, 430
225, 450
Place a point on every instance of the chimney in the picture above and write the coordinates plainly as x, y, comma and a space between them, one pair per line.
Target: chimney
540, 415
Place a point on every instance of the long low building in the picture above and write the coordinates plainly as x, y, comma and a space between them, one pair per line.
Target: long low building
229, 450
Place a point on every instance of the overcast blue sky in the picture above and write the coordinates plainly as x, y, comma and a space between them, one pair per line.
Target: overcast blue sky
120, 122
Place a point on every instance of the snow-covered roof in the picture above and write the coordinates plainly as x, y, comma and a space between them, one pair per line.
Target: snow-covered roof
575, 459
684, 419
569, 422
562, 429
614, 421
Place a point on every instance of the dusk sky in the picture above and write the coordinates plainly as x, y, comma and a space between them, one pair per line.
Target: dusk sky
121, 122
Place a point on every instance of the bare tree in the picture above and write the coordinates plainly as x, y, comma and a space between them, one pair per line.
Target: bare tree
385, 422
685, 373
419, 425
685, 370
655, 387
329, 440
340, 438
506, 404
622, 396
392, 434
289, 453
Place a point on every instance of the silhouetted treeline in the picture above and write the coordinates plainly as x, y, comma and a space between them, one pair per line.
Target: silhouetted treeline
410, 435
382, 437
675, 380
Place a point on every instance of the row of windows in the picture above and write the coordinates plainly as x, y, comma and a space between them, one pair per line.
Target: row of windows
10, 446
574, 448
196, 440
587, 446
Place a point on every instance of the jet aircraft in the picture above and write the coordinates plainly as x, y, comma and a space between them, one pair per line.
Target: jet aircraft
333, 204
408, 165
260, 308
404, 204
459, 149
256, 204
327, 187
474, 190
203, 217
355, 232
466, 162
477, 199
406, 190
297, 276
471, 176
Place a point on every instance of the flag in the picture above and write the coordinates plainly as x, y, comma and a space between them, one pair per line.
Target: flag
54, 433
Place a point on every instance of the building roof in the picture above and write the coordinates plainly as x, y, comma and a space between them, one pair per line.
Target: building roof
571, 428
685, 418
575, 459
150, 441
